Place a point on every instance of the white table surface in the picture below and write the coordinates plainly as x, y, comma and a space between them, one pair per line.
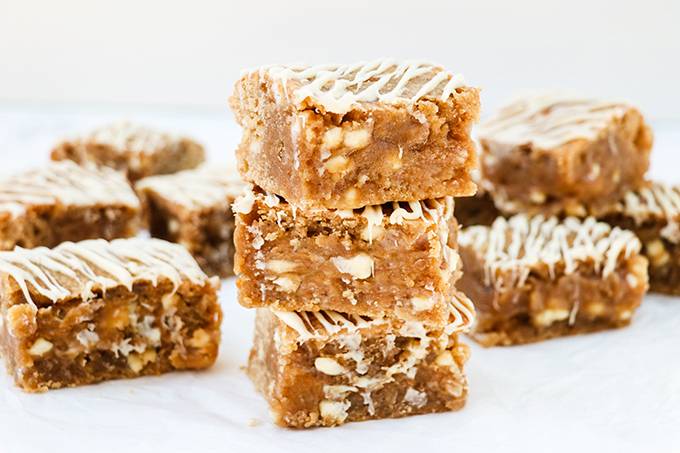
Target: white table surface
614, 391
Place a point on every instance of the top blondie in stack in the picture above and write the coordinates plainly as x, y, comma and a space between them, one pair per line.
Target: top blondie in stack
346, 242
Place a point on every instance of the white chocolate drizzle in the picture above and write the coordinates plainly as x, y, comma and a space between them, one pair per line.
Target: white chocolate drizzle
393, 213
512, 248
374, 219
75, 270
244, 203
340, 88
321, 325
199, 188
658, 201
550, 120
125, 136
462, 314
67, 184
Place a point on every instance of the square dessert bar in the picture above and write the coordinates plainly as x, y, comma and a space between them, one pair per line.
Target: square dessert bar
193, 208
556, 155
64, 202
397, 259
348, 136
653, 214
136, 150
533, 278
96, 310
327, 368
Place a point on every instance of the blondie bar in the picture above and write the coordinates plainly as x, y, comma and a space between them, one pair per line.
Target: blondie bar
555, 154
653, 214
96, 310
348, 136
136, 150
64, 202
193, 208
327, 368
533, 278
396, 259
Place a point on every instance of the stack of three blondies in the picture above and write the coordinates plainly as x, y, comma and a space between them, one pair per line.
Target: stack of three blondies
347, 245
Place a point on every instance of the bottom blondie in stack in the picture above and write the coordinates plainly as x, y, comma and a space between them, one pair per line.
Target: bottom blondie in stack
357, 313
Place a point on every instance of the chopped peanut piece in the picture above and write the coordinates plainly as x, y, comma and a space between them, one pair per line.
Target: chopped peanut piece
357, 139
40, 347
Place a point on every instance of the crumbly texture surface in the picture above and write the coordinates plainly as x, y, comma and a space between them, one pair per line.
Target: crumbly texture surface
93, 311
326, 368
536, 279
193, 208
356, 135
557, 155
136, 150
653, 214
64, 202
390, 260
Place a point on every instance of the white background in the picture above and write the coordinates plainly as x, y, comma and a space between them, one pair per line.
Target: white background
181, 54
70, 65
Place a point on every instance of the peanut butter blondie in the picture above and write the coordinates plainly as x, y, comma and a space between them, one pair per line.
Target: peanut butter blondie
396, 259
136, 150
326, 368
96, 310
653, 214
535, 278
64, 202
554, 155
348, 136
193, 208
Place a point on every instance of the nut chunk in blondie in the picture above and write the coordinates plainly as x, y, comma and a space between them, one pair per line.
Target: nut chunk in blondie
534, 278
327, 368
348, 136
64, 202
95, 310
136, 150
554, 154
193, 208
653, 214
396, 259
